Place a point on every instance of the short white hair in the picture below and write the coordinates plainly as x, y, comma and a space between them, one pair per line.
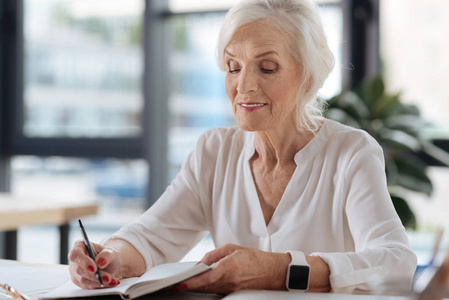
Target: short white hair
301, 23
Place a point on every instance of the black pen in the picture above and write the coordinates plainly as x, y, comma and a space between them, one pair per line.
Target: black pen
89, 250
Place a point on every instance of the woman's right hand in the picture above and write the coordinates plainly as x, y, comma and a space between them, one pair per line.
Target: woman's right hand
83, 268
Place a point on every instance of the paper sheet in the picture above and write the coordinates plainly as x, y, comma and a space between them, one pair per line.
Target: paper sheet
32, 280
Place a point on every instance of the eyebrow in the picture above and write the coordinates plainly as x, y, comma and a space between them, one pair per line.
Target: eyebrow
257, 56
265, 54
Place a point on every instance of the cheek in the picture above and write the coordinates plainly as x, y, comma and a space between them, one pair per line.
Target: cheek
230, 88
283, 96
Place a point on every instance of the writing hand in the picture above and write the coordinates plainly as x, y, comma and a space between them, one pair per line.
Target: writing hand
82, 267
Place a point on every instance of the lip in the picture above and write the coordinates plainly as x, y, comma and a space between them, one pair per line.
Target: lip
249, 107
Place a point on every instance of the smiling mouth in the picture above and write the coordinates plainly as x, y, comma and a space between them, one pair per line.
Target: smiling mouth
250, 107
252, 104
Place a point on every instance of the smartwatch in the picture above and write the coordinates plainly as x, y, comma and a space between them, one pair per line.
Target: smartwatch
298, 272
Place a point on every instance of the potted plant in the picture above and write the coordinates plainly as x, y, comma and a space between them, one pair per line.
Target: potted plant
397, 128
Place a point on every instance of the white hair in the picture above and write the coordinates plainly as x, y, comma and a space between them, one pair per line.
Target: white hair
300, 21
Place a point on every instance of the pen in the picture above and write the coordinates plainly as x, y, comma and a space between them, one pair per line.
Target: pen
89, 250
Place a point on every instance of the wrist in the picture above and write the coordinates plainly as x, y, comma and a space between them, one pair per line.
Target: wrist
129, 261
279, 265
298, 272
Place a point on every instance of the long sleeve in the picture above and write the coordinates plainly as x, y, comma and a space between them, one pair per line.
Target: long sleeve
176, 222
381, 251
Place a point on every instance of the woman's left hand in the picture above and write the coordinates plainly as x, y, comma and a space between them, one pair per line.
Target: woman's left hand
239, 268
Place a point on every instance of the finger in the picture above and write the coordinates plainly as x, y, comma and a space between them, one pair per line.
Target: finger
85, 283
90, 280
201, 283
78, 247
219, 253
209, 281
80, 263
108, 260
96, 248
83, 278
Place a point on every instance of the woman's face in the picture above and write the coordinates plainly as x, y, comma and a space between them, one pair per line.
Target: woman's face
262, 78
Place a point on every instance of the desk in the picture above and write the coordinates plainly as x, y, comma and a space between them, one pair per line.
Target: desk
52, 273
20, 211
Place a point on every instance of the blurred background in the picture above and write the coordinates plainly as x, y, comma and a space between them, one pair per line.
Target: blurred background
102, 100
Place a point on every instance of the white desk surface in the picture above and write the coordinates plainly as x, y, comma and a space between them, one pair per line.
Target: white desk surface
35, 279
277, 295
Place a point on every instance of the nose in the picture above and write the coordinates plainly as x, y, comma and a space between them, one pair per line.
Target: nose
247, 81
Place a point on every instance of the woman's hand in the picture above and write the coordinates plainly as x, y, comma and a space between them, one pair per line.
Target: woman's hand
117, 259
83, 268
247, 268
240, 268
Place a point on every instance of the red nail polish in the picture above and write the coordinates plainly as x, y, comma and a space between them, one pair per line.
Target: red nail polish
105, 279
183, 286
101, 262
113, 282
91, 269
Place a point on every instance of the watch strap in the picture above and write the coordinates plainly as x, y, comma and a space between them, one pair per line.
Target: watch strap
298, 257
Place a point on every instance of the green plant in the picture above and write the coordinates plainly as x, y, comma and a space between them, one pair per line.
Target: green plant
396, 126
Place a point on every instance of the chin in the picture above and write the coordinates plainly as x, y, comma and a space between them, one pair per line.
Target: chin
251, 127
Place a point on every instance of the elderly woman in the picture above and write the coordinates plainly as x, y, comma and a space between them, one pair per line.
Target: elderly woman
291, 200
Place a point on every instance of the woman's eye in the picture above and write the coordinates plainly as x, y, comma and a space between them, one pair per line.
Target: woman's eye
233, 66
267, 71
268, 67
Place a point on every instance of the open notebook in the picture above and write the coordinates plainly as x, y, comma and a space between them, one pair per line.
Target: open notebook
155, 279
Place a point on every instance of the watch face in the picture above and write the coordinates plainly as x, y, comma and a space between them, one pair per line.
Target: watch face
299, 277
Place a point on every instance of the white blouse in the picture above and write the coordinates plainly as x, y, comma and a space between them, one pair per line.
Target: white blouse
335, 206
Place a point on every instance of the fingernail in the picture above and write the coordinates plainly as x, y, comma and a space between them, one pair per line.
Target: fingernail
183, 286
91, 269
114, 282
198, 263
101, 262
105, 279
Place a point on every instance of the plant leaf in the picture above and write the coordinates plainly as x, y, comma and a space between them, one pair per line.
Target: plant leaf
372, 90
411, 124
343, 117
435, 152
399, 139
354, 106
406, 215
412, 174
384, 105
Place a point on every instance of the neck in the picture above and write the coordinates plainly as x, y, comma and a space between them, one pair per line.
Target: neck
278, 147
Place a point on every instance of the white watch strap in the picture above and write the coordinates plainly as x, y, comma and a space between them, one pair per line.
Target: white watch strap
298, 257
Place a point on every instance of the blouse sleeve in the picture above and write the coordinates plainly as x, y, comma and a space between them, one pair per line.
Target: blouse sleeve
382, 252
176, 222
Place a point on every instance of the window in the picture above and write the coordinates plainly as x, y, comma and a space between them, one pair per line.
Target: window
414, 47
83, 68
